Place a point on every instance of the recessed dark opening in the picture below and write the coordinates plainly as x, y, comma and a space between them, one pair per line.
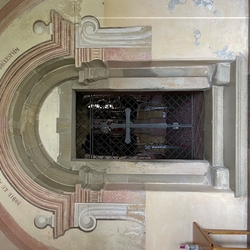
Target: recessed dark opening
151, 125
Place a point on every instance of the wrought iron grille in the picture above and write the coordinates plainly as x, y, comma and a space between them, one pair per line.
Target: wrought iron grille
158, 125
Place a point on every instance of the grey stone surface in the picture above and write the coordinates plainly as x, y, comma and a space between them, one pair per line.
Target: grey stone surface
222, 76
86, 215
225, 133
220, 177
90, 35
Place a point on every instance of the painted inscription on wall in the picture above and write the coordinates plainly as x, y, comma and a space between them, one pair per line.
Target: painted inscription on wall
4, 61
11, 196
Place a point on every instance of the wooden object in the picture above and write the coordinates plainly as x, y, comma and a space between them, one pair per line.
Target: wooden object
202, 237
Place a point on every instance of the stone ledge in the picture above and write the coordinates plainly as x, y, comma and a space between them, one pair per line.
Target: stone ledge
220, 177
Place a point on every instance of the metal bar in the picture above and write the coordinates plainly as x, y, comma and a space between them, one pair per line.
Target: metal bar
150, 147
144, 125
91, 141
127, 125
192, 121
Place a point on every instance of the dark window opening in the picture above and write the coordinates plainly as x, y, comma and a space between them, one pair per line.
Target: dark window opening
150, 125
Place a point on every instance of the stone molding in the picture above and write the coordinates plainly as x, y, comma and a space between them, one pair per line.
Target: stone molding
222, 75
86, 195
62, 205
40, 28
42, 221
92, 179
88, 55
59, 45
95, 43
87, 214
220, 177
93, 71
89, 34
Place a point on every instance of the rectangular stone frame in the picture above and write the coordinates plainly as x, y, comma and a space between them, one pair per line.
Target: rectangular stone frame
225, 89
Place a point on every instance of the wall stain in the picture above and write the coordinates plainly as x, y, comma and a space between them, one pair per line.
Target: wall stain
197, 36
205, 3
224, 53
173, 3
215, 12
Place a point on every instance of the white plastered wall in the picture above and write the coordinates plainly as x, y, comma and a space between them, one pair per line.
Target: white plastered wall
182, 30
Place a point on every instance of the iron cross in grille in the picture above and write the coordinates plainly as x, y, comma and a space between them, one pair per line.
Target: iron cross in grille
137, 126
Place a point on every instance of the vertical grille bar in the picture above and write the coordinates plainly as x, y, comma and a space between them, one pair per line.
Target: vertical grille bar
192, 117
91, 119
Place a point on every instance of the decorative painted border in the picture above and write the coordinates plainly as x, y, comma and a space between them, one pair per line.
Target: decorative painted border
59, 45
12, 9
18, 237
89, 34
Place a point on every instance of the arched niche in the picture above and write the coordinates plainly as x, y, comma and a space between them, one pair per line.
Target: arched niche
23, 121
48, 185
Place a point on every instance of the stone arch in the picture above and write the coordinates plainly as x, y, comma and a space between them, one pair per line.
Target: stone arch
58, 203
23, 125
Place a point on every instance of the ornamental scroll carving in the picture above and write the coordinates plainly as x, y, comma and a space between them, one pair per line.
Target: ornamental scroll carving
58, 197
93, 71
86, 215
89, 34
